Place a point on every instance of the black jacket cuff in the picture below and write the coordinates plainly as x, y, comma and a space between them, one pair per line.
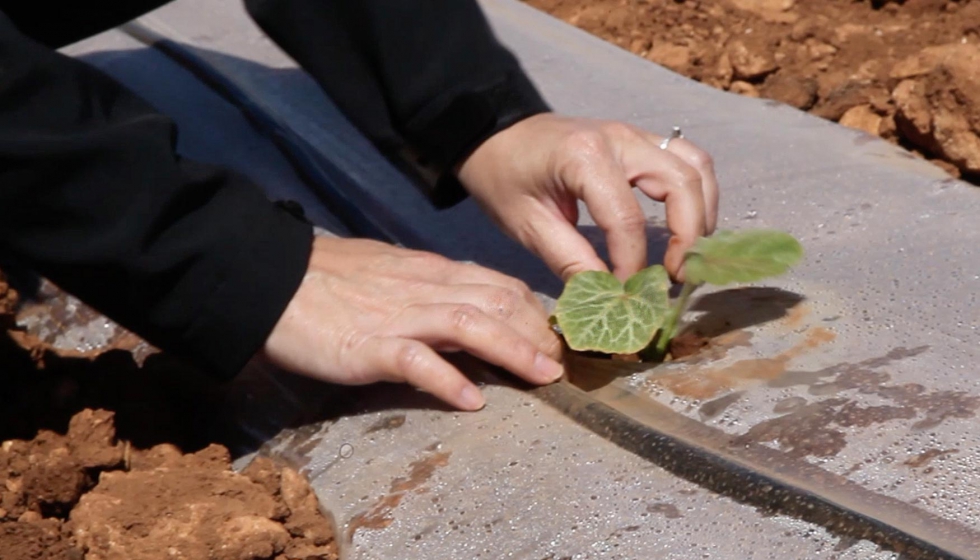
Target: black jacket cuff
258, 281
469, 120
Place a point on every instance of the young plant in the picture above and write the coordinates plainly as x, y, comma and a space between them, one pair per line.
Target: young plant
596, 312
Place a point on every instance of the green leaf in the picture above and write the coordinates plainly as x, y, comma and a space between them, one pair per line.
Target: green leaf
597, 312
744, 256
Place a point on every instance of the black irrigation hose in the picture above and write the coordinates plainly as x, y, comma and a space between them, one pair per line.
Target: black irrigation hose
763, 477
753, 475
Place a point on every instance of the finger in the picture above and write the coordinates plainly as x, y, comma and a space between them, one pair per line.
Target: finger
471, 274
702, 162
412, 362
518, 308
467, 328
602, 183
665, 177
498, 295
559, 244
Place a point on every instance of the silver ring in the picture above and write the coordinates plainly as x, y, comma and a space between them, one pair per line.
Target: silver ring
675, 133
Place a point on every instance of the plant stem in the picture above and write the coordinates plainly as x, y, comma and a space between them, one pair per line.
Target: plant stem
670, 325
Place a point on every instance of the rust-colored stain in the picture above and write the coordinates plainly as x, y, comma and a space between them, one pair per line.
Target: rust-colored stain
811, 429
717, 348
420, 472
710, 382
817, 336
816, 428
387, 423
378, 516
795, 315
923, 459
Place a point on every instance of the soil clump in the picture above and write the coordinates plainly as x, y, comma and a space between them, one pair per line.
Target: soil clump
102, 459
907, 71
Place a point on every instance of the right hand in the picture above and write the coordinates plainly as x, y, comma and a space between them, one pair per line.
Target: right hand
530, 177
368, 312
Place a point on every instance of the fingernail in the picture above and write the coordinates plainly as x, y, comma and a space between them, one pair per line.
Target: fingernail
471, 398
547, 369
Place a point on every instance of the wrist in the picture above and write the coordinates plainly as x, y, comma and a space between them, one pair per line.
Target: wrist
502, 150
499, 108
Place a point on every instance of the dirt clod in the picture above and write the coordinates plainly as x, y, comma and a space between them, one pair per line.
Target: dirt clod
862, 117
791, 90
44, 539
305, 520
92, 465
907, 71
751, 61
69, 497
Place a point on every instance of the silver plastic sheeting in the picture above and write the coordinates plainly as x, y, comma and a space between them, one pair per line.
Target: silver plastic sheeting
860, 364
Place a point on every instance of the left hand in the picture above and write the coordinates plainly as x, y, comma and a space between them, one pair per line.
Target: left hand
368, 311
530, 177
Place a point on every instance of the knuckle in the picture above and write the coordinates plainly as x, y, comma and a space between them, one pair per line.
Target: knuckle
553, 347
350, 355
620, 129
525, 292
525, 351
702, 160
414, 287
528, 233
350, 342
430, 260
504, 302
585, 142
463, 317
688, 177
409, 357
632, 222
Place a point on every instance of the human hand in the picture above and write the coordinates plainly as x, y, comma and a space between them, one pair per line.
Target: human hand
530, 177
368, 312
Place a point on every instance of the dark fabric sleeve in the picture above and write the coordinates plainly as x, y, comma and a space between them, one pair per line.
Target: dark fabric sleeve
56, 23
92, 195
425, 77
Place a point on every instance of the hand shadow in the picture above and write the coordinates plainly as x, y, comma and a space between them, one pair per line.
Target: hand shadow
738, 308
264, 403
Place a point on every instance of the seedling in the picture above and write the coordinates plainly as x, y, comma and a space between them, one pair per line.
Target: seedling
596, 312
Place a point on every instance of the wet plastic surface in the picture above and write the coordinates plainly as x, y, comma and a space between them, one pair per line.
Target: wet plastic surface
861, 363
519, 480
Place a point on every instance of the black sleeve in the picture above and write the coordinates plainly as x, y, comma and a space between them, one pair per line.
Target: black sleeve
56, 23
425, 77
92, 196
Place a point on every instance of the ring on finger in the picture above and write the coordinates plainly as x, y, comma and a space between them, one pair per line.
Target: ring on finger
675, 133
